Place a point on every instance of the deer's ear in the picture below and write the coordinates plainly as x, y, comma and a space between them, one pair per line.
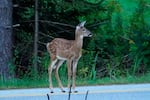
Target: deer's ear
82, 24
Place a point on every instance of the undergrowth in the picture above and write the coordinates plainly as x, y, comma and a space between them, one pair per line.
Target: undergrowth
42, 82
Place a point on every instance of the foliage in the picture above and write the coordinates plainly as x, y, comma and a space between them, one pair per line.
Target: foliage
140, 39
43, 81
119, 47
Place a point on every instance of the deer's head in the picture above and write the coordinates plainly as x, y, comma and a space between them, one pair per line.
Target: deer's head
82, 31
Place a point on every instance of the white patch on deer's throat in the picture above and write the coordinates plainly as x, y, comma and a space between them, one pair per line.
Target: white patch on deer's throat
81, 37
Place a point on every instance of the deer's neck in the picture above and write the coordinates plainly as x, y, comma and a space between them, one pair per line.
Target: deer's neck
78, 42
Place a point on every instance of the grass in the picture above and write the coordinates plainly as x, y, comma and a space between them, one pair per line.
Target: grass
22, 83
43, 82
119, 80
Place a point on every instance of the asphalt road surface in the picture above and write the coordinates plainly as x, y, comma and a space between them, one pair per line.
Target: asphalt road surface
107, 92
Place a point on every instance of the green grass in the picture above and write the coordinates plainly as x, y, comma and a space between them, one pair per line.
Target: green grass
22, 83
43, 82
119, 80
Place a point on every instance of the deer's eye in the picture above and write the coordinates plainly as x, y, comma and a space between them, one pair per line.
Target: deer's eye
83, 30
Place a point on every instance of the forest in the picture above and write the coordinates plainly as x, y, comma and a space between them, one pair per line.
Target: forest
119, 47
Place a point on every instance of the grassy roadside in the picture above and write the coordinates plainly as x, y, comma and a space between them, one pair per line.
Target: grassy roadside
43, 82
119, 80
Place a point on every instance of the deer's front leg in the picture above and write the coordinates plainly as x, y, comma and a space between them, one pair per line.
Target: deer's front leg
74, 75
69, 73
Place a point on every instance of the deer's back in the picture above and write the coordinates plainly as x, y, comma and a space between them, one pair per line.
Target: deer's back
59, 44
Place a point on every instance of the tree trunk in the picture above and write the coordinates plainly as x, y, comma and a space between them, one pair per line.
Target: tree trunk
5, 37
36, 38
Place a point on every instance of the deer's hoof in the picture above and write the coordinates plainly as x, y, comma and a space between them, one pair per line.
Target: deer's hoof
63, 91
75, 91
52, 92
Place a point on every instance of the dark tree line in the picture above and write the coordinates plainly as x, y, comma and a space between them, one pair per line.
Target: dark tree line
119, 47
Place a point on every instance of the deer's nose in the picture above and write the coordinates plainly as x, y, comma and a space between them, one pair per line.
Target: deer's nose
90, 35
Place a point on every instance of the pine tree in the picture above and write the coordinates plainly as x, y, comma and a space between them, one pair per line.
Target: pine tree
5, 37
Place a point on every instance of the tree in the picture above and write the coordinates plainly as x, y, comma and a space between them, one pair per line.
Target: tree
117, 33
5, 37
57, 18
36, 38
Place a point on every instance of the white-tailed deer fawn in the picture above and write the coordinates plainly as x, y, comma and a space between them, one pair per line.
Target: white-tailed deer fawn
66, 50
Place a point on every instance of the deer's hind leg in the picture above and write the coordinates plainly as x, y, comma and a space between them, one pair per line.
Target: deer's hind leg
58, 64
50, 68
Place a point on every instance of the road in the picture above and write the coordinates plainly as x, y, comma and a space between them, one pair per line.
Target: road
107, 92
